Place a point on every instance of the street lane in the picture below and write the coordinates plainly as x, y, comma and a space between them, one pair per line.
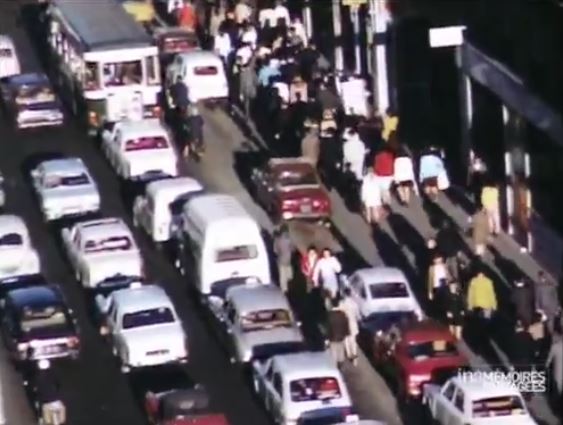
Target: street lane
93, 389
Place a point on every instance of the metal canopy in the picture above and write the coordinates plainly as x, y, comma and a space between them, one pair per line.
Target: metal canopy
510, 89
102, 24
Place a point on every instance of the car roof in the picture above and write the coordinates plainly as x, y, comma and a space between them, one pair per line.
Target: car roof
36, 296
307, 364
70, 165
144, 298
248, 298
113, 226
174, 185
202, 57
14, 222
215, 207
29, 78
477, 389
151, 126
425, 331
376, 275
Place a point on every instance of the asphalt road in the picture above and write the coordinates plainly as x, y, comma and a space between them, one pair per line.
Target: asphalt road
94, 390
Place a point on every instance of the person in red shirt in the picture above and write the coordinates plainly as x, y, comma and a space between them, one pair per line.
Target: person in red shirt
308, 262
187, 16
384, 170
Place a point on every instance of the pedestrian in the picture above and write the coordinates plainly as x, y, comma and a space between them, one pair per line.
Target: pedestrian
437, 280
390, 124
249, 35
326, 273
404, 178
338, 331
222, 45
454, 308
477, 175
432, 172
523, 347
537, 330
216, 20
523, 301
448, 240
352, 311
243, 12
311, 144
281, 14
481, 296
308, 264
490, 202
283, 248
187, 16
480, 232
371, 198
547, 301
383, 168
554, 362
354, 152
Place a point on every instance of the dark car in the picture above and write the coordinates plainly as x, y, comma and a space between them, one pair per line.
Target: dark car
30, 101
174, 40
37, 324
169, 397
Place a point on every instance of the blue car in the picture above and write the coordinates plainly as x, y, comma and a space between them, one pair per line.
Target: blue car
30, 101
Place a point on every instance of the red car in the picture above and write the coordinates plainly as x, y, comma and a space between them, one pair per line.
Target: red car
169, 397
290, 188
418, 353
173, 40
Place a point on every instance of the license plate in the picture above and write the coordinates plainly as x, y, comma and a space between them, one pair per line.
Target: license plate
306, 209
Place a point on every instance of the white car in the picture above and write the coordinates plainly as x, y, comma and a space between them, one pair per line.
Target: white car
476, 402
103, 253
65, 188
18, 257
303, 386
383, 289
154, 210
140, 150
143, 327
9, 61
259, 322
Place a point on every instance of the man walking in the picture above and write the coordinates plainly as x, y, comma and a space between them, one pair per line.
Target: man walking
352, 311
283, 248
338, 331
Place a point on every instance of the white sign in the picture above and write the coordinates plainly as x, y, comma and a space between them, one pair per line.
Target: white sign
446, 36
354, 97
529, 381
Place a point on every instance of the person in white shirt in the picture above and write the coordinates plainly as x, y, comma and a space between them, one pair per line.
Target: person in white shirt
326, 272
350, 307
222, 45
173, 6
354, 152
371, 198
404, 177
281, 14
249, 35
300, 31
243, 12
267, 18
243, 55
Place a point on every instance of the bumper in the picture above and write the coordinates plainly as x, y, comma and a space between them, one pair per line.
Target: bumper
150, 176
126, 368
290, 215
60, 215
40, 123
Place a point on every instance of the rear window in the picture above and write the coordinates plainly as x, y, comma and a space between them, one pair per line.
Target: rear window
389, 290
176, 45
314, 389
54, 181
266, 319
431, 349
118, 243
154, 316
45, 318
206, 70
498, 406
11, 239
6, 53
146, 143
236, 253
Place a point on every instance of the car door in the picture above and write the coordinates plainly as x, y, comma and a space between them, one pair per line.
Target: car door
113, 147
358, 291
277, 408
74, 248
146, 210
457, 408
444, 403
114, 327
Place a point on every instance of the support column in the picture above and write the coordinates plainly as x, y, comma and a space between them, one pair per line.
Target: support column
308, 19
355, 16
337, 28
508, 170
466, 109
381, 20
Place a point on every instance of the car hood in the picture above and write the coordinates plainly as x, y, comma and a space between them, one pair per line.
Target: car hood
302, 193
105, 265
155, 337
271, 336
61, 197
11, 258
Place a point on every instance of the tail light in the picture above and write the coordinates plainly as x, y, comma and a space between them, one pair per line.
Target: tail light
288, 203
93, 119
73, 342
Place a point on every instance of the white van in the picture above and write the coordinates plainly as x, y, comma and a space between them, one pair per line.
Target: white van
9, 61
203, 73
220, 241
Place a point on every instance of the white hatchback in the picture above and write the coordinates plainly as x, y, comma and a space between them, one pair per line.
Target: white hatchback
18, 257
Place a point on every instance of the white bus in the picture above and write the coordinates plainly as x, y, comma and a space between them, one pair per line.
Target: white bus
104, 62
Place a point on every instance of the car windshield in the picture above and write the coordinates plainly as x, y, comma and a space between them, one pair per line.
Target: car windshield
236, 253
32, 94
178, 44
5, 53
265, 319
146, 143
11, 239
498, 406
116, 243
388, 290
301, 177
153, 316
51, 318
431, 349
122, 73
315, 389
54, 181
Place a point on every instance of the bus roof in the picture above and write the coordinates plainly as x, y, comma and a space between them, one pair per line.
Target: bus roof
101, 24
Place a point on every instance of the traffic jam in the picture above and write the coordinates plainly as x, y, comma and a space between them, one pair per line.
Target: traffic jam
115, 80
